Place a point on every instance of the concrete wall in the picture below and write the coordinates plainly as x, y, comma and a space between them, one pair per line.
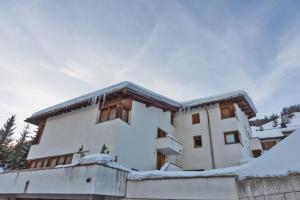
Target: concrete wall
64, 134
65, 181
225, 155
183, 188
276, 188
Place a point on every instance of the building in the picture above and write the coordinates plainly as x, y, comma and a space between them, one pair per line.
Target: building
272, 176
273, 132
143, 130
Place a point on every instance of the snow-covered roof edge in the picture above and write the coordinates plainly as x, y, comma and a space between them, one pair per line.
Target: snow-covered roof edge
144, 92
219, 97
113, 88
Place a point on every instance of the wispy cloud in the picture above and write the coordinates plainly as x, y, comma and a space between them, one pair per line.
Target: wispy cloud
52, 51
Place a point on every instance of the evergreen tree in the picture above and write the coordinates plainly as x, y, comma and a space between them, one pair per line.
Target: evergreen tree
20, 150
6, 133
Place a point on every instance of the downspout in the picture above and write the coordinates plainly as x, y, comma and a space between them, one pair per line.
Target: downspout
210, 140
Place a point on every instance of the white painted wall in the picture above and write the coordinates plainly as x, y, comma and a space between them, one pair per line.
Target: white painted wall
133, 143
225, 155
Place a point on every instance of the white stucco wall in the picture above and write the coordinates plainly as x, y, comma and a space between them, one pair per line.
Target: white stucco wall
65, 133
136, 143
225, 155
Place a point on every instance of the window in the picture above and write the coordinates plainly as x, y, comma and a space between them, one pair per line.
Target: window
33, 164
160, 160
161, 133
68, 159
51, 161
232, 137
256, 153
227, 110
197, 141
268, 145
39, 133
61, 160
196, 118
172, 118
115, 109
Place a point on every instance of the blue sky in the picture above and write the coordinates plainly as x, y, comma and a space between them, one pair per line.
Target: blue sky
51, 50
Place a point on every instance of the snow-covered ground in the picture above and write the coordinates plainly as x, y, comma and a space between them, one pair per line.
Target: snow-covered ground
269, 131
281, 160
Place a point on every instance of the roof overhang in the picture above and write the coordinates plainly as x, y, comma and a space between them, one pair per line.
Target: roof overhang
125, 92
241, 100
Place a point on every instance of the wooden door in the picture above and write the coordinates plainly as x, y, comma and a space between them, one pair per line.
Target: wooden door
160, 160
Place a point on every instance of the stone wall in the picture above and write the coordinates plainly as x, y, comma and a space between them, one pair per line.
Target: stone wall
275, 188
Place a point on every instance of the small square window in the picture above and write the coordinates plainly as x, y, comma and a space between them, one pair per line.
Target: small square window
161, 133
197, 141
232, 137
68, 159
196, 118
53, 162
61, 160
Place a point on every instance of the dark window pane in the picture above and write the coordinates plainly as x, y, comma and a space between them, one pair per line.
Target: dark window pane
197, 141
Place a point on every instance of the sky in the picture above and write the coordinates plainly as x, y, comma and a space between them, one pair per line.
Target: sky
55, 50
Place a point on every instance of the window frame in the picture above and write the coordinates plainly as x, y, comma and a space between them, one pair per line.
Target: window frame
195, 143
196, 118
161, 133
50, 162
230, 107
120, 107
236, 135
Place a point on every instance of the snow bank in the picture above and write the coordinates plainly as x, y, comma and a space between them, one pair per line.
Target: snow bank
281, 160
102, 159
157, 174
1, 170
96, 158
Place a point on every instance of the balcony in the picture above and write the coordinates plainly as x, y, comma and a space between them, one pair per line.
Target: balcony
168, 146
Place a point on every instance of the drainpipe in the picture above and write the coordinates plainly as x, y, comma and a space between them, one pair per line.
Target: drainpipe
210, 140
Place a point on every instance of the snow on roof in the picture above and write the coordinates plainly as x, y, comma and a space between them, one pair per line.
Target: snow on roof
220, 97
269, 133
102, 159
142, 91
93, 95
282, 160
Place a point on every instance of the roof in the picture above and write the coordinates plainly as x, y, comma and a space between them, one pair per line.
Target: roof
140, 93
271, 133
240, 97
